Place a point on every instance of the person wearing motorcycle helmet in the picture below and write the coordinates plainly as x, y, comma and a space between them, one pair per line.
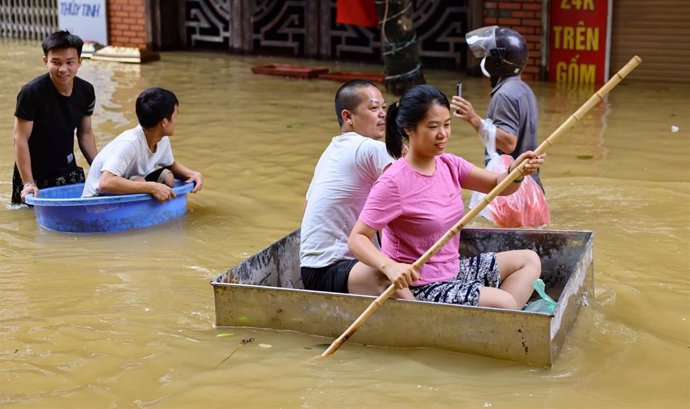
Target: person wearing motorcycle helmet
510, 126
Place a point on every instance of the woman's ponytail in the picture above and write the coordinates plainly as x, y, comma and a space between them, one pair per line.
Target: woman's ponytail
394, 134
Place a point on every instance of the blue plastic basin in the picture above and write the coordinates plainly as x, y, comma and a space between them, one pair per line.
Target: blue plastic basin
63, 209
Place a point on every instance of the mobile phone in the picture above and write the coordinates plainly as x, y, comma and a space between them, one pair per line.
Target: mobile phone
458, 89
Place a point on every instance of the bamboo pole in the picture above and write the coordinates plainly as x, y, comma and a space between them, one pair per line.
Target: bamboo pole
570, 122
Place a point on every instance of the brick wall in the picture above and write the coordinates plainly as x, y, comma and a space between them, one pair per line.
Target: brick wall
127, 23
523, 16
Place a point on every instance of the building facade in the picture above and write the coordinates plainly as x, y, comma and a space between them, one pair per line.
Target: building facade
653, 29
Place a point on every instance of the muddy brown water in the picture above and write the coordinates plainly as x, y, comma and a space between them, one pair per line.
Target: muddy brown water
127, 319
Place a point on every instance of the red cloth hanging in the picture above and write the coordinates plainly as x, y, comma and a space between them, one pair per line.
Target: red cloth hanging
356, 13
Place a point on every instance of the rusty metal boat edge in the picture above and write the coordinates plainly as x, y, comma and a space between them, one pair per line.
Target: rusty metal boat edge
265, 291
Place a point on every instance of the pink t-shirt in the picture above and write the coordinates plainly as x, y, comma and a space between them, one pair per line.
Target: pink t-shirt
415, 210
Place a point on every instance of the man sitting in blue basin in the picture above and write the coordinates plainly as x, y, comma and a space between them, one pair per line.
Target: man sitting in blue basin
140, 160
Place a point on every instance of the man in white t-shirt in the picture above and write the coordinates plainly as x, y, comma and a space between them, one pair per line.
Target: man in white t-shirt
342, 179
140, 160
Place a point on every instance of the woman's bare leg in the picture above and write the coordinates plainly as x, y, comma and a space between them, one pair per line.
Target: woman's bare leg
496, 298
519, 268
369, 281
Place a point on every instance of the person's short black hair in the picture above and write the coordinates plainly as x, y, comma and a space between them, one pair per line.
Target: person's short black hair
347, 97
154, 104
62, 39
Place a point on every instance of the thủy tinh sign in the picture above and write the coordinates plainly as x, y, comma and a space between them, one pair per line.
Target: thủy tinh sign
579, 41
85, 18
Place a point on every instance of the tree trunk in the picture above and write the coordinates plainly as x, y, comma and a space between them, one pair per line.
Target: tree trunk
402, 65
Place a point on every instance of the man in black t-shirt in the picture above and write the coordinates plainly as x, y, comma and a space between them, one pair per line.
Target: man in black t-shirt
49, 109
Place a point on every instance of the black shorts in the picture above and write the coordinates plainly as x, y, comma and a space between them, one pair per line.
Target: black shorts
331, 278
72, 175
155, 175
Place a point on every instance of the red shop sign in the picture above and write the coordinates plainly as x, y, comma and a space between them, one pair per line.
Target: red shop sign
579, 41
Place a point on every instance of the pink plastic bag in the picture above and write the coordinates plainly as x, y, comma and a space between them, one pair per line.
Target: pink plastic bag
525, 208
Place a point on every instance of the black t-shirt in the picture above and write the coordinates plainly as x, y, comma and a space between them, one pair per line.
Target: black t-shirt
55, 117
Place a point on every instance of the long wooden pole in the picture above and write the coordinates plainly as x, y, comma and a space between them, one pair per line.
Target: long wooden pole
570, 122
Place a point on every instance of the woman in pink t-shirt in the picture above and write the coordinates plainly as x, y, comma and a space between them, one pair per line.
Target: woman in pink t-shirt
419, 198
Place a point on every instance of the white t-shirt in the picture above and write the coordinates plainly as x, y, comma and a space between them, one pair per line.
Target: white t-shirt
342, 179
127, 155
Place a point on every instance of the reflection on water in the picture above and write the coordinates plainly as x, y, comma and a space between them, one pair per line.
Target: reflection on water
108, 78
126, 319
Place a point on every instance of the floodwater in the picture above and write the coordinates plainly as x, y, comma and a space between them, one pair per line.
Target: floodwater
127, 319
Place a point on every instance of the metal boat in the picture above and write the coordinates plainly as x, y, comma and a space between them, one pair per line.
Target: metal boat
265, 291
